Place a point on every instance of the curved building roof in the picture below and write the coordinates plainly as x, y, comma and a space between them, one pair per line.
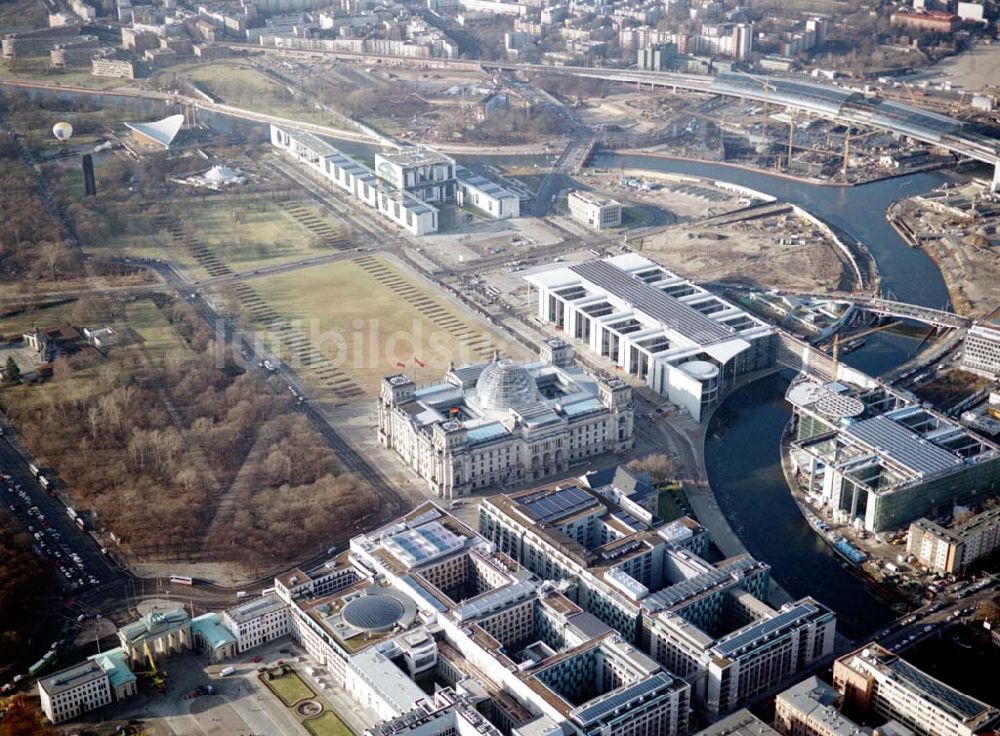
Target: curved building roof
161, 132
505, 384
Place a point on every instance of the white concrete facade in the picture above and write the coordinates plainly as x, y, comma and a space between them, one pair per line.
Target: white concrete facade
685, 342
594, 211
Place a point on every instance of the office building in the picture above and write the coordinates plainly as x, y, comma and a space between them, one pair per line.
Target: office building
685, 342
594, 210
877, 459
406, 187
115, 68
981, 352
94, 683
420, 172
949, 551
876, 683
426, 596
704, 622
257, 621
503, 423
739, 723
810, 708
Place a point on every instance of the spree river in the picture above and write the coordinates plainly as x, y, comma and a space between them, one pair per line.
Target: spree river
742, 446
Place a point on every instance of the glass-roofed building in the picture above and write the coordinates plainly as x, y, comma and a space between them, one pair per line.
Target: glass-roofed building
874, 457
503, 423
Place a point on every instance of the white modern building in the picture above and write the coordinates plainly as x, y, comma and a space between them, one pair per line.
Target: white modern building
876, 682
360, 182
981, 352
257, 621
503, 423
684, 341
426, 596
594, 211
408, 185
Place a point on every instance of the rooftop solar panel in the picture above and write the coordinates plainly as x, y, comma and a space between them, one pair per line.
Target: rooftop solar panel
758, 631
951, 700
588, 714
658, 305
899, 444
679, 592
549, 505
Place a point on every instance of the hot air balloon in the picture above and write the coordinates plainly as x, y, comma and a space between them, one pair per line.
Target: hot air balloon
62, 131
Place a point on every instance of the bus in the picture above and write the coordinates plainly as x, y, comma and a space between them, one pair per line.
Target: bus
44, 482
33, 468
181, 580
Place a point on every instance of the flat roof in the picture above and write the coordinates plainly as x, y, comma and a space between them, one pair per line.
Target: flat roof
255, 608
654, 302
414, 156
423, 543
594, 199
600, 707
889, 438
732, 643
72, 677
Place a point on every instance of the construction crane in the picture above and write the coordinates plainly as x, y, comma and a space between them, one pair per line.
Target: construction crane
860, 335
768, 88
158, 678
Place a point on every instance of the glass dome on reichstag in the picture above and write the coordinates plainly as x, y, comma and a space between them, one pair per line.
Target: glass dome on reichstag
505, 384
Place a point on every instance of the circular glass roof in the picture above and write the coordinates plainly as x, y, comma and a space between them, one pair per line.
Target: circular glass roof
373, 612
504, 384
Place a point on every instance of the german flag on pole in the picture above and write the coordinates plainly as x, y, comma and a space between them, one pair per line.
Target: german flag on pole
419, 362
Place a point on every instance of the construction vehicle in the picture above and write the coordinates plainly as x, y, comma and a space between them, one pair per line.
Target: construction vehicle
156, 676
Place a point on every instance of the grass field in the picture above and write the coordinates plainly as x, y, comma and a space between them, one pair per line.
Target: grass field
363, 317
159, 339
31, 317
327, 724
243, 86
243, 233
290, 688
672, 503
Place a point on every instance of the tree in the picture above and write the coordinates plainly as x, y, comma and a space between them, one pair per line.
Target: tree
21, 718
659, 466
11, 372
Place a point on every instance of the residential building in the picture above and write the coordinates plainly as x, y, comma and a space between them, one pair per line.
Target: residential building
949, 551
503, 423
876, 458
594, 211
257, 621
658, 57
38, 42
116, 68
685, 342
878, 684
981, 352
936, 21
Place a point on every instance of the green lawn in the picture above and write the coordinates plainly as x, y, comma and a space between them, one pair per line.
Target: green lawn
327, 724
672, 503
290, 688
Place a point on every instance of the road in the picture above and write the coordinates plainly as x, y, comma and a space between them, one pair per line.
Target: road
933, 618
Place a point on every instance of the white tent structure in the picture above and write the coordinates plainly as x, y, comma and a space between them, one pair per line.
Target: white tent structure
160, 133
